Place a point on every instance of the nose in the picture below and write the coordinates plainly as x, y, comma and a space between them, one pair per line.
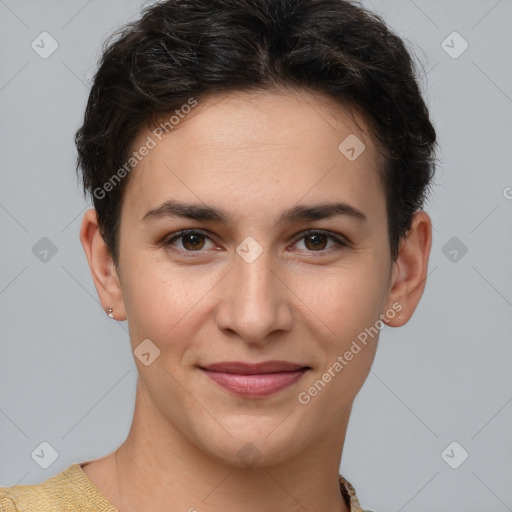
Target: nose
255, 301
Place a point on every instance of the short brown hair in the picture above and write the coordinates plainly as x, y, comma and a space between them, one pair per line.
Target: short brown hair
180, 49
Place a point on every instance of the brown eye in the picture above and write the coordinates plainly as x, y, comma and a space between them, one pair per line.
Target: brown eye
191, 241
315, 241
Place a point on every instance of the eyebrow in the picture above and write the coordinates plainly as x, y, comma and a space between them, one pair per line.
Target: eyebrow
295, 214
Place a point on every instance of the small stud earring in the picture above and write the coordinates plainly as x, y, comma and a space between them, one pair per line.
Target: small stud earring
110, 312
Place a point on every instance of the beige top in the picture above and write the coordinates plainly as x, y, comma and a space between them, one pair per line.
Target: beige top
73, 491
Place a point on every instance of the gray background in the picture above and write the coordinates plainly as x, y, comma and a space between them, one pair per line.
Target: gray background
67, 373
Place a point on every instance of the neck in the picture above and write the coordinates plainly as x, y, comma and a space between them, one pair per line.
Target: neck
158, 468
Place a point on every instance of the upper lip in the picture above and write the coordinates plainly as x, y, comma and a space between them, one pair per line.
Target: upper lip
242, 368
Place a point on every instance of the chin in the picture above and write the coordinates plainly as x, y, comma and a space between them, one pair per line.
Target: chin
251, 447
249, 454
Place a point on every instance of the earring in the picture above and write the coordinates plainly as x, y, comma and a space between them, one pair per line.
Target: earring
110, 312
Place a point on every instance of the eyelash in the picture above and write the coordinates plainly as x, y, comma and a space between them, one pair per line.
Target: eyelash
339, 242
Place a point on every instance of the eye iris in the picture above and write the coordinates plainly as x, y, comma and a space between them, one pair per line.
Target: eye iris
316, 243
194, 238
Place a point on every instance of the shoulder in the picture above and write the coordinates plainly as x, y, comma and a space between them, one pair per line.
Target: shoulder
68, 491
21, 498
6, 502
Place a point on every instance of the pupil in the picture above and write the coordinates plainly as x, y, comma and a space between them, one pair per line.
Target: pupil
315, 237
194, 239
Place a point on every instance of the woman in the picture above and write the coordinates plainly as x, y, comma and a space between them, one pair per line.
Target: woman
258, 170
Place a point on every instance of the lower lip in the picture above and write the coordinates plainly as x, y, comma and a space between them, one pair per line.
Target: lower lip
254, 386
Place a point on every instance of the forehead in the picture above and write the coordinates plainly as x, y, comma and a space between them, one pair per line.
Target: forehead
239, 146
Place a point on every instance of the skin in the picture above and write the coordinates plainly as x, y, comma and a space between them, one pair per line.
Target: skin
253, 155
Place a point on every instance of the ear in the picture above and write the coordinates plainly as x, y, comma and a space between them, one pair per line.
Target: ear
104, 273
409, 272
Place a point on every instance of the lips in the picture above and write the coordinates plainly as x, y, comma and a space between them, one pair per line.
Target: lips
255, 380
242, 368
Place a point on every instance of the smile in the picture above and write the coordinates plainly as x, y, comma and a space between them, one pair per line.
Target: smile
255, 380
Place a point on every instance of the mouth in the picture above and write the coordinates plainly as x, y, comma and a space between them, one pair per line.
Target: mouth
255, 380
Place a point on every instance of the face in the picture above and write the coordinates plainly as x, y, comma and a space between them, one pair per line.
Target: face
251, 282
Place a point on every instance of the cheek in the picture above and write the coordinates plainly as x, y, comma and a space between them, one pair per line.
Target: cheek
349, 305
346, 299
163, 301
